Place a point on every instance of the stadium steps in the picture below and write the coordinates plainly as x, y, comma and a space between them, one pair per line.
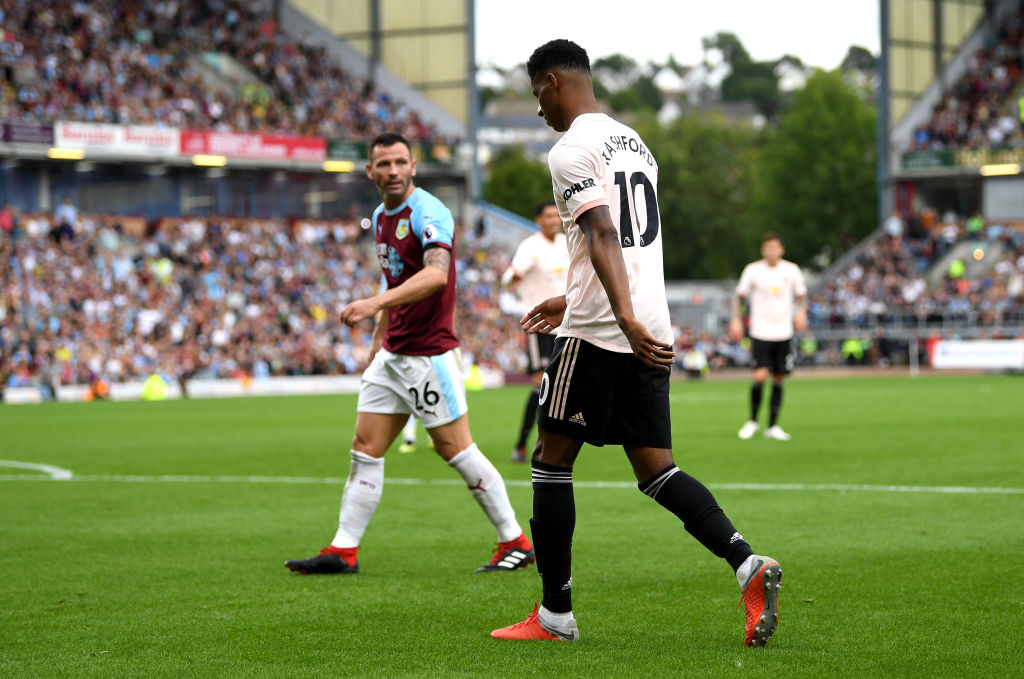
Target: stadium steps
902, 132
502, 226
963, 250
223, 74
841, 265
303, 28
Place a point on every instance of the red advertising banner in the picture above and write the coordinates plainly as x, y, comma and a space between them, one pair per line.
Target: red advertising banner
254, 146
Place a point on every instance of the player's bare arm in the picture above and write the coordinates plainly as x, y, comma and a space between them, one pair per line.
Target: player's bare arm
736, 323
800, 317
379, 328
439, 258
510, 277
544, 317
606, 255
424, 283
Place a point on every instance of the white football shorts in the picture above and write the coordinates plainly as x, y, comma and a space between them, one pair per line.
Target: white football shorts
429, 387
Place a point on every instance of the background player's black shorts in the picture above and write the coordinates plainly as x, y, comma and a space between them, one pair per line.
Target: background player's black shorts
539, 350
604, 397
778, 357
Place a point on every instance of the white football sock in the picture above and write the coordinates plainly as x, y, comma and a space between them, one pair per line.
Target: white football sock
359, 499
488, 488
554, 620
409, 432
747, 568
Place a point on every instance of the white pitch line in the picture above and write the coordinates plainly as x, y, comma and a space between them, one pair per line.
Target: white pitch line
331, 480
55, 473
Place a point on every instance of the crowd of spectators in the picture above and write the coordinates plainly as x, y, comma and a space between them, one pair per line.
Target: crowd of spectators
205, 298
978, 110
885, 285
134, 62
87, 298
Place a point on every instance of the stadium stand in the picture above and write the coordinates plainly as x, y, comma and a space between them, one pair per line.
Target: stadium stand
119, 300
924, 279
99, 298
981, 109
143, 63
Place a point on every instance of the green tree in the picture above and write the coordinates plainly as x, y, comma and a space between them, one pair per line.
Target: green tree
704, 187
516, 183
748, 80
614, 62
487, 95
732, 49
600, 91
859, 58
649, 93
816, 177
754, 82
627, 99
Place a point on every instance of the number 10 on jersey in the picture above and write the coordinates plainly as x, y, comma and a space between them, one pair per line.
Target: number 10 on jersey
628, 215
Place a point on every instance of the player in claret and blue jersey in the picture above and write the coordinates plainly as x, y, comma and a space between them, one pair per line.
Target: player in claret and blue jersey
415, 366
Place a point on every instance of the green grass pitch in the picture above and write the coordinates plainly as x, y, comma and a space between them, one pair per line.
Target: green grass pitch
897, 512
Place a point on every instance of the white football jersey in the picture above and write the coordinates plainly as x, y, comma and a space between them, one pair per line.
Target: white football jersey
771, 293
600, 161
543, 265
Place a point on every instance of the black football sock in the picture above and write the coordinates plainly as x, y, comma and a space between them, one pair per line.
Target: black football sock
693, 503
775, 403
755, 400
552, 526
529, 417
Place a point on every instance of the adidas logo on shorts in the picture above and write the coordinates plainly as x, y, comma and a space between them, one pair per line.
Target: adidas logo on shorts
578, 419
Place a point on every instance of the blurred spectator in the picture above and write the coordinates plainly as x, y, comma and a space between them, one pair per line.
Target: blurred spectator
65, 221
974, 226
893, 226
10, 222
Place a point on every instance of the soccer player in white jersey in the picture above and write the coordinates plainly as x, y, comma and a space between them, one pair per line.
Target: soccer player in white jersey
538, 268
608, 382
776, 296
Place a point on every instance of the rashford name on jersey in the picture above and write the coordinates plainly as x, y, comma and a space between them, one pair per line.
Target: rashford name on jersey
617, 143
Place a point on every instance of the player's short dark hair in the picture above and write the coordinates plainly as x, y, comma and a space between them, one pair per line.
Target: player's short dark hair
389, 139
542, 206
771, 235
559, 53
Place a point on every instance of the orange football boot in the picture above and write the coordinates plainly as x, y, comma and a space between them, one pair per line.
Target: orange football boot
532, 630
761, 599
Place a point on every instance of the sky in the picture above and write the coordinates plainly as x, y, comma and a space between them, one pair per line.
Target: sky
819, 32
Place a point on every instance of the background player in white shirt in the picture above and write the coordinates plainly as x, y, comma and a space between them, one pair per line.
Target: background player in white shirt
776, 296
608, 382
538, 268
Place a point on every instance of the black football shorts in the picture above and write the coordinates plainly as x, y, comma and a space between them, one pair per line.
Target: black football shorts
539, 349
778, 357
604, 397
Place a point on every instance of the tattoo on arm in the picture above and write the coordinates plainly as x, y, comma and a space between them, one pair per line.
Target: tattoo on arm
438, 257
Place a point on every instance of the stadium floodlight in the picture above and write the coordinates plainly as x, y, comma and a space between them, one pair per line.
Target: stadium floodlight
205, 160
58, 153
339, 166
999, 170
